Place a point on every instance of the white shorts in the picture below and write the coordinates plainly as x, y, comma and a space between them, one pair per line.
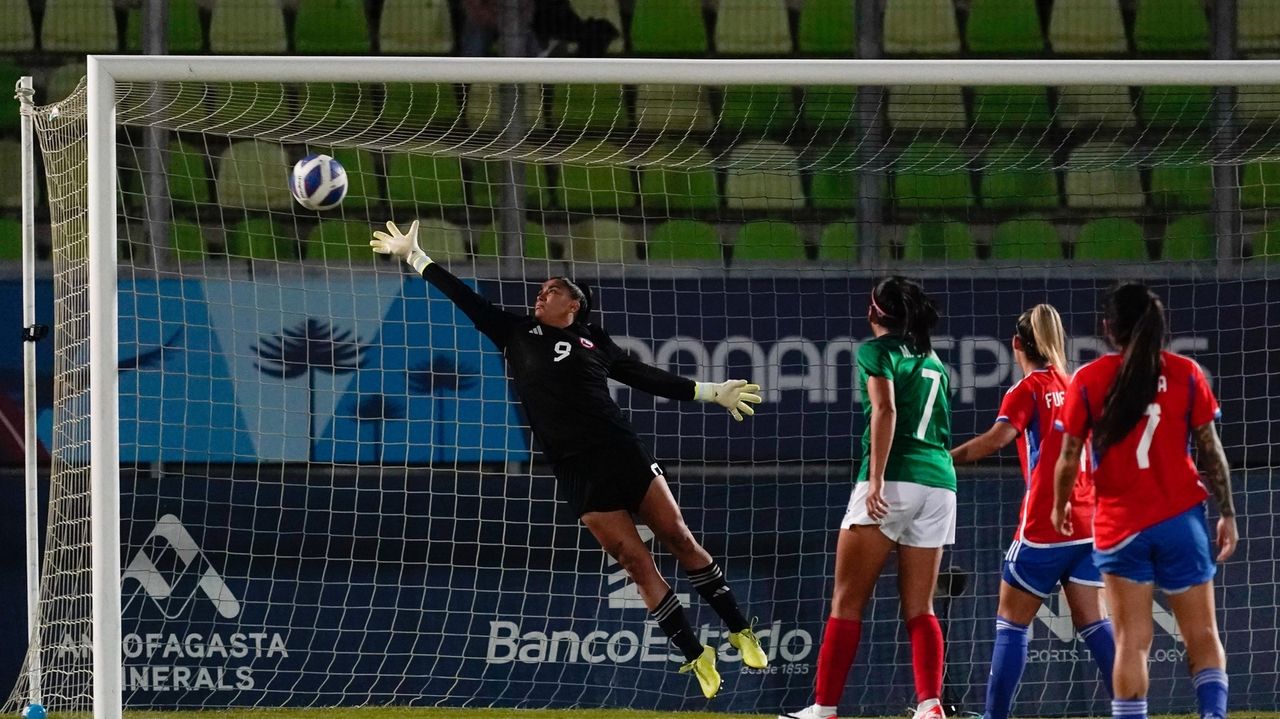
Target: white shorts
919, 516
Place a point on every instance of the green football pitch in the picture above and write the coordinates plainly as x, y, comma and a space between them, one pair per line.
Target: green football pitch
447, 713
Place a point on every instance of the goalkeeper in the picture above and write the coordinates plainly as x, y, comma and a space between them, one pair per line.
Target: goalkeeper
560, 366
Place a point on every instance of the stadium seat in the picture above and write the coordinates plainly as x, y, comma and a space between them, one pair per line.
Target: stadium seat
1018, 177
1258, 26
839, 242
1181, 185
1171, 26
327, 107
10, 182
768, 240
1258, 103
62, 82
588, 107
536, 245
674, 109
680, 240
920, 27
930, 175
251, 175
1173, 106
241, 106
248, 27
411, 106
331, 27
1111, 238
188, 175
184, 31
416, 27
1101, 177
10, 239
17, 33
602, 240
1189, 239
487, 189
830, 108
763, 176
753, 27
484, 106
1027, 238
9, 74
678, 178
938, 241
668, 27
260, 238
1266, 244
424, 181
187, 240
926, 107
1260, 186
1004, 27
589, 183
755, 109
605, 10
833, 183
362, 175
1010, 109
79, 26
340, 241
1088, 106
828, 27
1087, 27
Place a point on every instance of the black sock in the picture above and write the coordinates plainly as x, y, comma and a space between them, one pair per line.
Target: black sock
674, 623
709, 581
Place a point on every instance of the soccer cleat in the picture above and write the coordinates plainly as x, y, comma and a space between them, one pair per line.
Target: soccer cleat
748, 645
704, 668
811, 712
929, 709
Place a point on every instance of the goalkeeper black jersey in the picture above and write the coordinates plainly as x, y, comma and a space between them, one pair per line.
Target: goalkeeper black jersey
561, 375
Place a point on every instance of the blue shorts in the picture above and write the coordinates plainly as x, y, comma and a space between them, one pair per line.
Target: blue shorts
1039, 570
1174, 554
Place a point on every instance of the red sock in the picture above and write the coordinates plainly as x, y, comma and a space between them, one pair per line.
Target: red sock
839, 646
926, 656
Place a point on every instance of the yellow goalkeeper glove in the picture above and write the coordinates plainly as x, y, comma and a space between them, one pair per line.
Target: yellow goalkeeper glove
735, 395
401, 244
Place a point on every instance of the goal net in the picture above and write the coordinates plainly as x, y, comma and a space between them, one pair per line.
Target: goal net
329, 497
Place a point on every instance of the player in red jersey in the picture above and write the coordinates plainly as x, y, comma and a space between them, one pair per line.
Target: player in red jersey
1040, 559
1141, 406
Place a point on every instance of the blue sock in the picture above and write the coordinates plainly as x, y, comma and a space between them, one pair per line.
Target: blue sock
1008, 659
1129, 708
1102, 644
1211, 693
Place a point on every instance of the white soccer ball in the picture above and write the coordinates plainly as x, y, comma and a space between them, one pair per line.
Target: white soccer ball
319, 182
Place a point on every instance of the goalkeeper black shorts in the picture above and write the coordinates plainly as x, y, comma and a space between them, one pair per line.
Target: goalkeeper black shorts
607, 479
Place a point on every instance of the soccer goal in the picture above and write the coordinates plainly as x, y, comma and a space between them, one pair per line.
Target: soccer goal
287, 474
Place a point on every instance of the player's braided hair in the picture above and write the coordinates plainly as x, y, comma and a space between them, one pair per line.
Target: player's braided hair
1135, 325
901, 306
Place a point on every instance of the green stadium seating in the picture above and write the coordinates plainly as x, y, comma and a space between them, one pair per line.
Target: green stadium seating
936, 241
62, 82
1101, 178
413, 105
829, 108
484, 108
1180, 186
248, 27
536, 244
828, 27
1260, 186
839, 242
362, 175
768, 240
1004, 27
424, 181
1258, 26
755, 109
589, 184
920, 27
1111, 238
606, 10
678, 178
17, 32
249, 105
1089, 106
251, 175
1171, 26
260, 238
1189, 239
10, 239
926, 107
668, 27
1087, 27
416, 27
588, 107
926, 177
185, 35
1024, 239
674, 109
340, 241
1258, 103
1266, 244
1011, 109
80, 26
763, 176
752, 27
9, 74
331, 27
833, 184
1018, 177
187, 240
602, 240
486, 184
1171, 106
681, 240
327, 106
188, 172
11, 182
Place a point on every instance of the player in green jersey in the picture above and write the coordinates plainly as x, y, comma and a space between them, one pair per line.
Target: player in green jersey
904, 498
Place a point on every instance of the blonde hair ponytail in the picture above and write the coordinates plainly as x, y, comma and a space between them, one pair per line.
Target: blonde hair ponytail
1046, 328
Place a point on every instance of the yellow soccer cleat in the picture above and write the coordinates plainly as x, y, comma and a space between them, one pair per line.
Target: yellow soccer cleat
704, 668
748, 645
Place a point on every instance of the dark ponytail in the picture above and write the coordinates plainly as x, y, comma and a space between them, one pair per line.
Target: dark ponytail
1135, 325
901, 306
581, 292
